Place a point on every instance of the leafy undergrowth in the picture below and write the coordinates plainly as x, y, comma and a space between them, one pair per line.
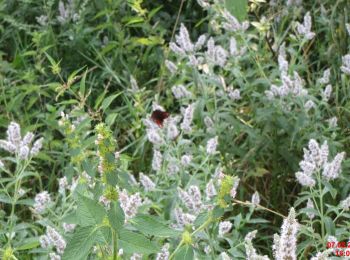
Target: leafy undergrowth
174, 129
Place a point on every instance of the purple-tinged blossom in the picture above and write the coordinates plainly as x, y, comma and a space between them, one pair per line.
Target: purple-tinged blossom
134, 85
183, 219
346, 64
224, 227
68, 228
41, 201
170, 66
232, 24
200, 42
345, 204
56, 240
331, 170
186, 160
325, 77
27, 139
146, 182
327, 92
157, 160
37, 146
187, 118
129, 203
173, 167
233, 191
23, 152
305, 180
233, 47
155, 136
210, 190
183, 39
191, 198
310, 205
333, 122
211, 145
62, 184
255, 199
164, 253
44, 241
234, 94
180, 91
309, 104
105, 202
176, 49
305, 28
348, 28
249, 248
285, 244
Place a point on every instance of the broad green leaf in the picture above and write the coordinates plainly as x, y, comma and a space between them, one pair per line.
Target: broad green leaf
116, 216
152, 226
132, 242
184, 253
107, 102
78, 247
238, 8
28, 243
82, 84
329, 224
89, 211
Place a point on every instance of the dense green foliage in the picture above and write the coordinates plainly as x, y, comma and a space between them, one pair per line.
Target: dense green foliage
257, 109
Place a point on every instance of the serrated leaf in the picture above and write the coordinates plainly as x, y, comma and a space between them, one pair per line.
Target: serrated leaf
116, 216
89, 211
78, 247
329, 224
238, 8
132, 242
184, 253
152, 226
107, 102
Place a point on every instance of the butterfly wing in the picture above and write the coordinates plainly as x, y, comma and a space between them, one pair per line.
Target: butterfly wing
158, 117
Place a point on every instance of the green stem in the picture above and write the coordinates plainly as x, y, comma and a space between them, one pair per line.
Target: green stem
115, 244
321, 205
18, 181
176, 249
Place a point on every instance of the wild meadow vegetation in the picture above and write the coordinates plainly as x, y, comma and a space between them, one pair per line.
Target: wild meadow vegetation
175, 129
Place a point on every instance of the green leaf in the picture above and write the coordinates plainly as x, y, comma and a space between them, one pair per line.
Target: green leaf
132, 242
89, 211
28, 243
78, 247
152, 226
184, 253
238, 8
116, 216
107, 102
329, 224
82, 84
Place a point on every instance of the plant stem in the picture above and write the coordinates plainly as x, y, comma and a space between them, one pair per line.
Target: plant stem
247, 203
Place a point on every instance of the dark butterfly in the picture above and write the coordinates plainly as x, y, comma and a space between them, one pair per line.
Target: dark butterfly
158, 117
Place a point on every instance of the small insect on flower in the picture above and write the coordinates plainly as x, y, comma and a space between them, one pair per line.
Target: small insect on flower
159, 116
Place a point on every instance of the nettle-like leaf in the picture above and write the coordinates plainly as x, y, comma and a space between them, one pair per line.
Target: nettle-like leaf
237, 8
184, 253
78, 247
133, 242
89, 211
116, 216
152, 226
